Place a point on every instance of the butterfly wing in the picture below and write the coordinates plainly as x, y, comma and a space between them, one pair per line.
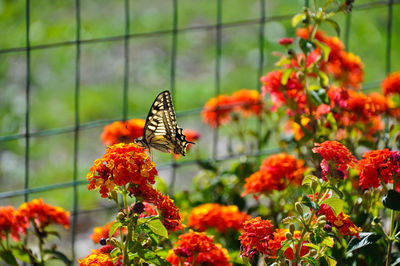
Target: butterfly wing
161, 130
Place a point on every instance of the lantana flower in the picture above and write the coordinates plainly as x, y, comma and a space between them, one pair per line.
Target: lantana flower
378, 166
337, 159
43, 214
276, 243
391, 84
123, 132
198, 246
256, 236
12, 222
276, 172
219, 217
101, 257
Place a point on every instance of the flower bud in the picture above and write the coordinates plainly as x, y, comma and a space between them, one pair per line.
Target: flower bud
291, 228
321, 223
313, 252
299, 208
328, 228
288, 236
321, 218
120, 216
112, 242
376, 220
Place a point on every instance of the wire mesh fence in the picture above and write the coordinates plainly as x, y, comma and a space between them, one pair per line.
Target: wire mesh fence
78, 127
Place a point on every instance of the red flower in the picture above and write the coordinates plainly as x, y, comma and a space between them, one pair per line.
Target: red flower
391, 84
124, 132
256, 236
199, 245
340, 222
149, 210
217, 111
276, 172
378, 166
213, 215
169, 213
336, 159
43, 214
12, 222
100, 257
276, 243
121, 165
286, 41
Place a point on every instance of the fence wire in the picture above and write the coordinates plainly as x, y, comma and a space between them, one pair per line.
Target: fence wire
218, 27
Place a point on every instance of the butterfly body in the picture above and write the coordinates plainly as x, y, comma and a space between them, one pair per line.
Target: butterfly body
161, 131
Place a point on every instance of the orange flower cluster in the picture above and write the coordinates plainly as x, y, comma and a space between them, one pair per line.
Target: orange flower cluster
213, 215
12, 222
199, 246
291, 95
391, 84
256, 236
340, 222
336, 159
125, 132
378, 166
276, 172
217, 110
276, 243
345, 67
102, 232
43, 214
122, 164
100, 257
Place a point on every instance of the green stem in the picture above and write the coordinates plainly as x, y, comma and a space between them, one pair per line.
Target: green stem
391, 233
303, 232
194, 258
125, 251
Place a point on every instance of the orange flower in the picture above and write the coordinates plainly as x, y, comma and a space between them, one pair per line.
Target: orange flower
213, 215
336, 159
276, 172
199, 245
102, 232
100, 257
341, 221
377, 166
291, 95
391, 84
217, 111
247, 102
121, 165
43, 214
124, 132
256, 236
12, 222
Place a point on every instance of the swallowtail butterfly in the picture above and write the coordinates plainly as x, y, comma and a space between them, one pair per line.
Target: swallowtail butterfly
161, 131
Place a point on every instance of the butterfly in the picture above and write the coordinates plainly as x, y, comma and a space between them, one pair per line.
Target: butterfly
161, 131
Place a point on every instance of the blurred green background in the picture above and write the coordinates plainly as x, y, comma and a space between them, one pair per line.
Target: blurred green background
53, 74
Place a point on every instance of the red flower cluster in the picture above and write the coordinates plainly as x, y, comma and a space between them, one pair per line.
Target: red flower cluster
101, 257
256, 236
379, 166
336, 159
200, 246
276, 172
345, 67
291, 95
391, 84
12, 222
340, 222
217, 110
43, 214
213, 215
122, 164
276, 243
125, 132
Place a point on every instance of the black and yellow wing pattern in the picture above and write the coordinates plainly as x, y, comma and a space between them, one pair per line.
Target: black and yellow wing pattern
161, 131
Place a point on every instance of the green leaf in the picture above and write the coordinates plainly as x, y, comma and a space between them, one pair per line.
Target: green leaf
325, 49
335, 203
114, 228
367, 238
115, 252
298, 18
152, 258
310, 260
323, 78
307, 46
311, 245
58, 255
309, 179
331, 261
315, 98
284, 245
21, 254
334, 25
336, 190
309, 203
391, 200
328, 241
286, 75
290, 220
332, 121
8, 257
158, 228
54, 233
